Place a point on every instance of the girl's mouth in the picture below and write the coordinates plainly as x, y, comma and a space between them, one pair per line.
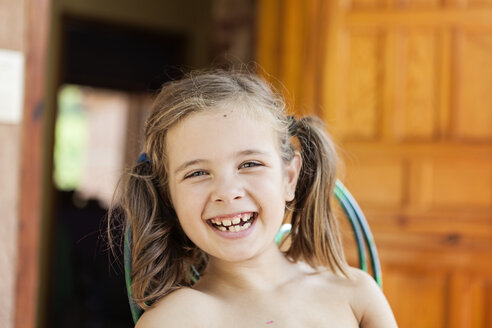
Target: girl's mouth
234, 223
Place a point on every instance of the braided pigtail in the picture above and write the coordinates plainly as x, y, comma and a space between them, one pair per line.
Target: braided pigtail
315, 238
161, 254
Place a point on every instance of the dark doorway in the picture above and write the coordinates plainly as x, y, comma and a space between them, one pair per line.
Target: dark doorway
85, 289
119, 57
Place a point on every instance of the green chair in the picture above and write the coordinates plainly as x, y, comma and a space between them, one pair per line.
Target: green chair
362, 235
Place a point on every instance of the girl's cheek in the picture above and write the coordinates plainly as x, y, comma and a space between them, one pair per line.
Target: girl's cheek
263, 182
199, 189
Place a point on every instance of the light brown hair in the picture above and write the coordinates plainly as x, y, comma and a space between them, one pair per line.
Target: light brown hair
162, 255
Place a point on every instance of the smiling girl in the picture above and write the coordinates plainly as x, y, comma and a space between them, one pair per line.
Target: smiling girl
218, 176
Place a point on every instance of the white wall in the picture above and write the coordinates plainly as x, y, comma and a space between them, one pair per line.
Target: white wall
11, 38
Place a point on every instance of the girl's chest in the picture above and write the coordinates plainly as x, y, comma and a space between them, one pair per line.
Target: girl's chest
301, 311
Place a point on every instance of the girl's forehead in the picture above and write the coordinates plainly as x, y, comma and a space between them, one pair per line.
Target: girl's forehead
219, 133
221, 119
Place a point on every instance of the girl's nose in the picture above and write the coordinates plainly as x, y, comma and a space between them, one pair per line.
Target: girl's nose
227, 190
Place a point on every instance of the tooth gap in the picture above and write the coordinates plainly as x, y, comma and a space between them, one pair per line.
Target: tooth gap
239, 225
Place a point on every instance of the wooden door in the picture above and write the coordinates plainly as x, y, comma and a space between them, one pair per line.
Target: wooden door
406, 90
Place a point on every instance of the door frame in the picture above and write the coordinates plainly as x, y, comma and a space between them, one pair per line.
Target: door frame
37, 26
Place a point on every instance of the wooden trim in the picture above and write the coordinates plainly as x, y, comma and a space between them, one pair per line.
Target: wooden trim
333, 64
37, 29
476, 18
268, 27
445, 77
477, 150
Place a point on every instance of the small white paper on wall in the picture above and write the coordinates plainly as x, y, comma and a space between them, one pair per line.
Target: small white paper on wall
11, 86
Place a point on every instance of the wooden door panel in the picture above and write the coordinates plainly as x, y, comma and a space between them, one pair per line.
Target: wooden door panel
480, 3
472, 84
416, 86
470, 304
422, 294
459, 183
378, 182
363, 98
452, 183
405, 88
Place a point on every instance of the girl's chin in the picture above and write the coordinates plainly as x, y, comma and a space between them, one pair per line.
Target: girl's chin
240, 253
232, 259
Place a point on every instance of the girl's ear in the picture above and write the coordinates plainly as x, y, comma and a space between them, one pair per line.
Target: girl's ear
292, 174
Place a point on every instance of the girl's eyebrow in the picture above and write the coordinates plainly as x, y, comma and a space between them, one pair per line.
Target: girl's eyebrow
198, 161
189, 163
250, 152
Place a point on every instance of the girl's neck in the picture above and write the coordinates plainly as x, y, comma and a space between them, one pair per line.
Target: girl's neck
264, 272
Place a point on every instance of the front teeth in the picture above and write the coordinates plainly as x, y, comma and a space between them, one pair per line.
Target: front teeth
233, 224
236, 228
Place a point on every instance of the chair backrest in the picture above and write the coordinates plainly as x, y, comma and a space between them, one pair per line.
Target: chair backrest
362, 235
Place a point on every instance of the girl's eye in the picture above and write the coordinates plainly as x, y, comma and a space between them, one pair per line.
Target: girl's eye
250, 164
195, 174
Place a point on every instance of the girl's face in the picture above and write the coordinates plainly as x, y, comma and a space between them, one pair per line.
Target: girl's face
227, 182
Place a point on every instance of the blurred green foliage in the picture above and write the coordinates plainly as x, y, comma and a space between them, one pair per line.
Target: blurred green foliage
71, 135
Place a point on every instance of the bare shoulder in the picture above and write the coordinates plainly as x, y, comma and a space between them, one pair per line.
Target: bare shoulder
184, 307
368, 301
